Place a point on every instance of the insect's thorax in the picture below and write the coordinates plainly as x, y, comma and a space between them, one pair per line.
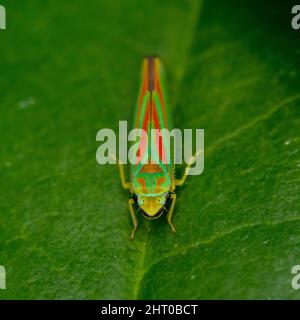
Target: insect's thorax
151, 183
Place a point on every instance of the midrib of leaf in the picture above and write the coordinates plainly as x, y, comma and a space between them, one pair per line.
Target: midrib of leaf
180, 72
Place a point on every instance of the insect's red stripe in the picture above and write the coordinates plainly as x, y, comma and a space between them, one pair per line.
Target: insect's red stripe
159, 142
158, 88
147, 117
143, 141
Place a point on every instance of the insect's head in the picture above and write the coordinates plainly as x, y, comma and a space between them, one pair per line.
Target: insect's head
151, 187
152, 207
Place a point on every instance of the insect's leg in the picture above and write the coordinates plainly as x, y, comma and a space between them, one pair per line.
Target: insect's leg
133, 217
125, 185
181, 181
170, 213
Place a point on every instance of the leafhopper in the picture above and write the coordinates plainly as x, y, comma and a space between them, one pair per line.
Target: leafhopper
152, 181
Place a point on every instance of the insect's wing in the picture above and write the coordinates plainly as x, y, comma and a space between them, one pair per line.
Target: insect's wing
160, 118
153, 113
142, 121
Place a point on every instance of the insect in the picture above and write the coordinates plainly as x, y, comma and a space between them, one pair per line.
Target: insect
152, 184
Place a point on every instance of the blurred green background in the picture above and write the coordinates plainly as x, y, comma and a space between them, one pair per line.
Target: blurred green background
70, 68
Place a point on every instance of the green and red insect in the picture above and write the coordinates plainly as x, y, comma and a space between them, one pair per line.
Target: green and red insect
152, 183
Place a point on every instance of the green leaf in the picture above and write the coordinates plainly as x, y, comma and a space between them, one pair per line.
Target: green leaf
69, 70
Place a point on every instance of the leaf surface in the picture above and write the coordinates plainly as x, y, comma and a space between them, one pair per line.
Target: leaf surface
69, 70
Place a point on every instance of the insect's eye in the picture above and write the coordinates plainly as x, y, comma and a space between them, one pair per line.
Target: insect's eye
140, 201
162, 200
